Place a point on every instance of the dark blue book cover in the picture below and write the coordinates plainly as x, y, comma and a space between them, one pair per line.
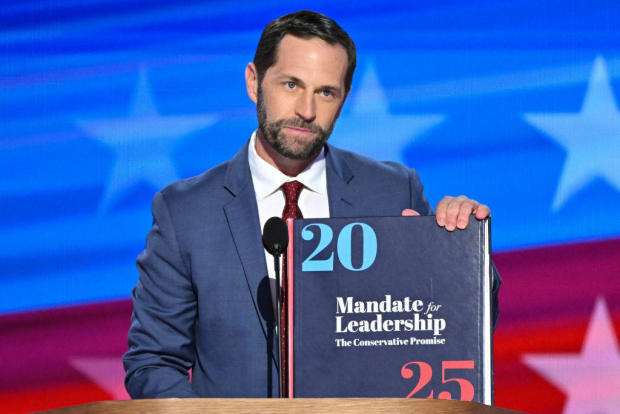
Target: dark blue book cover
390, 307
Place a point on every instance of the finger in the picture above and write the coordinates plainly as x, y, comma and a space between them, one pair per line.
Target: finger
409, 212
440, 210
452, 212
482, 211
466, 209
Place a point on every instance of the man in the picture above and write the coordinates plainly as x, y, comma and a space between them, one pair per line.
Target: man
203, 300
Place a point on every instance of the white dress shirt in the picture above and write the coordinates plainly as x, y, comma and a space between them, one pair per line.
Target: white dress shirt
267, 181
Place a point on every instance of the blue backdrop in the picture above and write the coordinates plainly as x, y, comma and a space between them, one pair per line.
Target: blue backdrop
102, 103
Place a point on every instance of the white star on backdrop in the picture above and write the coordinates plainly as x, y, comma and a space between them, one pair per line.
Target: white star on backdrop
107, 373
369, 129
591, 379
591, 137
143, 142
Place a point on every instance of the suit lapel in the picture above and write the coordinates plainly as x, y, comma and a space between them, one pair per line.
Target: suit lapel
243, 220
343, 200
353, 193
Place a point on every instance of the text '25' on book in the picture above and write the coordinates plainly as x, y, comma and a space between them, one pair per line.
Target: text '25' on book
389, 307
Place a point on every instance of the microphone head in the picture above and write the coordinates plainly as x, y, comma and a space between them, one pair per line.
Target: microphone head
275, 236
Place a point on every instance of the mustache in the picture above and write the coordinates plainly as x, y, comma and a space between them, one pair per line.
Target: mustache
299, 123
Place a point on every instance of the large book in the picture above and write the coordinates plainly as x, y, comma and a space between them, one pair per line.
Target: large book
389, 307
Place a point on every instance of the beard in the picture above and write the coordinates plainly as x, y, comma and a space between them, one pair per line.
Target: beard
294, 148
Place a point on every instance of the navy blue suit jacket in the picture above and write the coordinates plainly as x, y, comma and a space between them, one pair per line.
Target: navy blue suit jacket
203, 299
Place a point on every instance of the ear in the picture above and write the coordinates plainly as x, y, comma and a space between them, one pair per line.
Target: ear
251, 81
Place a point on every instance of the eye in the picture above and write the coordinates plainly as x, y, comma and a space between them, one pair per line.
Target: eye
327, 93
291, 85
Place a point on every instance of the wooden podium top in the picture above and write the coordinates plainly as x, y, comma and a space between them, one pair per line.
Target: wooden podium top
274, 405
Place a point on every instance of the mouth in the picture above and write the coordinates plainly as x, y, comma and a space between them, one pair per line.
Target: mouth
299, 131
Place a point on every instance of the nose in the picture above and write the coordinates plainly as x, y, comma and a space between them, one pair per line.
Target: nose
306, 106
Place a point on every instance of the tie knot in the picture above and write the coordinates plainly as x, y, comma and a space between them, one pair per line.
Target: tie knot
291, 195
292, 189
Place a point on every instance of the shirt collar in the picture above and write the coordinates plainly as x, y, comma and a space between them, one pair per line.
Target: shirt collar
268, 179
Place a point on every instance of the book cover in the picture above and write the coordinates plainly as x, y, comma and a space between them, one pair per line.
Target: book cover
389, 307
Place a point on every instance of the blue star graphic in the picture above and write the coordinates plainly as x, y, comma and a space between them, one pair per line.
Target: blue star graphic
143, 142
590, 137
369, 129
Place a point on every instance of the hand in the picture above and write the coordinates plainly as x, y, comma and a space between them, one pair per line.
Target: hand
454, 212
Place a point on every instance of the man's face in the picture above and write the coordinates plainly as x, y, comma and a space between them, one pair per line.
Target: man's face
301, 95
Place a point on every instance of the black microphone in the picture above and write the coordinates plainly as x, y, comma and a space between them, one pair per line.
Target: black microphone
275, 236
275, 240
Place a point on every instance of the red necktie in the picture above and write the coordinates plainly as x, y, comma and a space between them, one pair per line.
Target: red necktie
291, 190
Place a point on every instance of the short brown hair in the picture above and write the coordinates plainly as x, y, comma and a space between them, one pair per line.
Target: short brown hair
304, 24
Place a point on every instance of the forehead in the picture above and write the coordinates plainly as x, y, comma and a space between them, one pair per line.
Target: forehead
311, 59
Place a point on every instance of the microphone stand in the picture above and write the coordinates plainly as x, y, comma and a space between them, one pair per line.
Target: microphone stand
276, 265
275, 240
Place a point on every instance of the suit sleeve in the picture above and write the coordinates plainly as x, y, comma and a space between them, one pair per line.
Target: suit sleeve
419, 203
497, 281
161, 336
